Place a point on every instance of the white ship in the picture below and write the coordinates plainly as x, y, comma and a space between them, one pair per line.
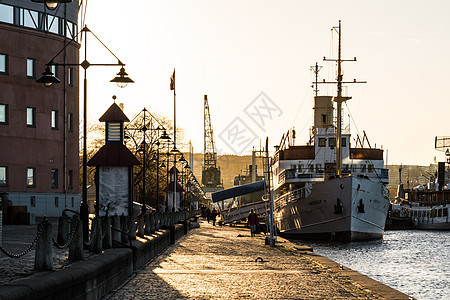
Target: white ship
328, 189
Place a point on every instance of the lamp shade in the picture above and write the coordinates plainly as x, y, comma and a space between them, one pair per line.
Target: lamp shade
122, 79
48, 78
174, 150
52, 4
165, 136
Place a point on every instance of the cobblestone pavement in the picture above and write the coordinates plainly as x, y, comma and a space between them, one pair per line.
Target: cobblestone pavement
16, 239
219, 263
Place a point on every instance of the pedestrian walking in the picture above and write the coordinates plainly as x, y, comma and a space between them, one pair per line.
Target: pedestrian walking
213, 216
252, 221
208, 214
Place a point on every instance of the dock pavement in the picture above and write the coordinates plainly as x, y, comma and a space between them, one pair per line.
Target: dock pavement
223, 262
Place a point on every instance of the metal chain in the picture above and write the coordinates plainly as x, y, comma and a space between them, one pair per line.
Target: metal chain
39, 234
94, 225
74, 227
104, 225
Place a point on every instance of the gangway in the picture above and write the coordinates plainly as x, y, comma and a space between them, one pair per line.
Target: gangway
234, 214
237, 213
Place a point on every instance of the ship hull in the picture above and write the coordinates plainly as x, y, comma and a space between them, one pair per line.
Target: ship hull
361, 216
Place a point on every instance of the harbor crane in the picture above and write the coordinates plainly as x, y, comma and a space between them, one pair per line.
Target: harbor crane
211, 178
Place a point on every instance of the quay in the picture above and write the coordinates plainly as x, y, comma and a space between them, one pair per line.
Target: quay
224, 262
210, 262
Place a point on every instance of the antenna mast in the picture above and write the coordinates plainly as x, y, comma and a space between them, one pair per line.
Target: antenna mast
315, 85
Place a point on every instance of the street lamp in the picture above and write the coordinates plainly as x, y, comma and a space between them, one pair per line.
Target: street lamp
48, 78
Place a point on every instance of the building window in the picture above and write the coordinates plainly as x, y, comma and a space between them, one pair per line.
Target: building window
54, 174
29, 18
31, 117
54, 119
319, 168
3, 114
30, 67
70, 76
70, 179
33, 201
70, 122
311, 168
300, 168
371, 168
73, 202
322, 142
31, 177
56, 201
53, 24
3, 63
54, 70
343, 142
3, 176
332, 142
6, 13
363, 168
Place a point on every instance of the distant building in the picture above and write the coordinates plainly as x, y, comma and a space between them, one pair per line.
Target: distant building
39, 148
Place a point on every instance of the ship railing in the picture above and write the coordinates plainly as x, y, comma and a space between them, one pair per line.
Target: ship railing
291, 196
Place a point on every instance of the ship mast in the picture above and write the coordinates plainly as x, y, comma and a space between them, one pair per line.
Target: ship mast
339, 99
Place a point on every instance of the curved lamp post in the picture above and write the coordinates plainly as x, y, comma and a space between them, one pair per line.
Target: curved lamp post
48, 79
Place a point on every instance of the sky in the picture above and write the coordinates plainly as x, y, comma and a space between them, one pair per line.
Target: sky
253, 58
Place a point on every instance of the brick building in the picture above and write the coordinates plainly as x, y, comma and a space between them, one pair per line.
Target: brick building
39, 144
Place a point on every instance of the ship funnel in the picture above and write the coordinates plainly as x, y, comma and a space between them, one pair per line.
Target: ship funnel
323, 111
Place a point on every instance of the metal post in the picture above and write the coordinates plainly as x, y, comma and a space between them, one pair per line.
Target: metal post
84, 209
144, 129
157, 172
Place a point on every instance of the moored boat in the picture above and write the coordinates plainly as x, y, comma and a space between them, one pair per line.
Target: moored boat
327, 189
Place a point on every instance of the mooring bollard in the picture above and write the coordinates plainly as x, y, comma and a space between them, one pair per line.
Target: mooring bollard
140, 225
133, 227
116, 224
76, 246
124, 225
107, 239
43, 259
147, 224
152, 222
63, 230
96, 245
157, 219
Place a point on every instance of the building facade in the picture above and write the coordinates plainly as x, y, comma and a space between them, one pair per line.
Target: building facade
39, 141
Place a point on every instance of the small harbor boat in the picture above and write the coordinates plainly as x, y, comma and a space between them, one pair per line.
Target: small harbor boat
427, 205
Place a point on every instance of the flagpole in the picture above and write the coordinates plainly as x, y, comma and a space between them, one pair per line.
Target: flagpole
174, 142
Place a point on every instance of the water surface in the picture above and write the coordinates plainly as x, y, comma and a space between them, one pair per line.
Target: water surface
414, 262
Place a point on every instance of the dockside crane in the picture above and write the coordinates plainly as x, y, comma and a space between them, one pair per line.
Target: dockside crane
211, 177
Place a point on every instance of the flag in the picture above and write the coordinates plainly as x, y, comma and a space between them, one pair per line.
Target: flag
172, 81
